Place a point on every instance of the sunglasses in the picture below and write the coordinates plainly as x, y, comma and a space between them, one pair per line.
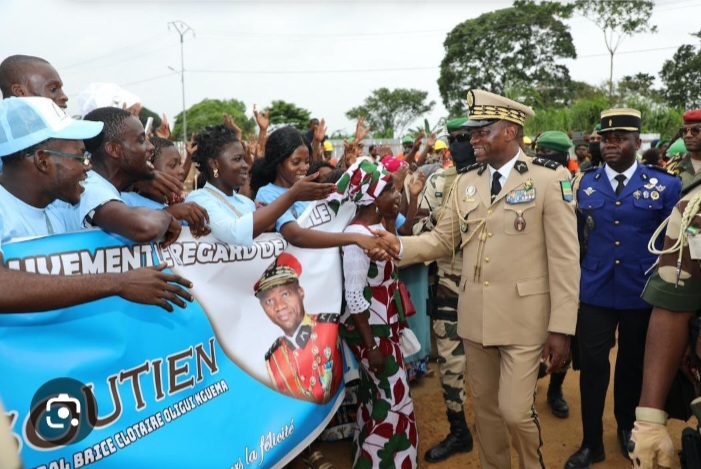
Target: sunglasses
462, 137
85, 157
694, 131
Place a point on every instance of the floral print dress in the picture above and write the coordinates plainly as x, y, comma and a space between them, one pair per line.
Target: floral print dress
387, 435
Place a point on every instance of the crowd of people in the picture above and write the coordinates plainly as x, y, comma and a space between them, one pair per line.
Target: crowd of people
546, 253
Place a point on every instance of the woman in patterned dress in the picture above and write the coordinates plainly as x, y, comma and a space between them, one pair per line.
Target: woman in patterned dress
387, 435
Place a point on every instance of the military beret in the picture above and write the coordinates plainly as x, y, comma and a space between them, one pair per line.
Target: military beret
597, 127
454, 124
677, 147
285, 269
487, 108
407, 139
625, 119
692, 116
555, 140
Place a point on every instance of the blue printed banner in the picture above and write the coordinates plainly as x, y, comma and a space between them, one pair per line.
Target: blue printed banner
227, 382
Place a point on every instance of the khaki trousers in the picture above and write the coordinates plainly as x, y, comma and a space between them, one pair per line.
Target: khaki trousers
503, 383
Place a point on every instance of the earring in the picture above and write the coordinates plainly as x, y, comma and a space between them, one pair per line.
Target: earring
377, 209
216, 173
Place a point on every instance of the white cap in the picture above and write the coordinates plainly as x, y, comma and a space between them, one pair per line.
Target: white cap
98, 95
25, 122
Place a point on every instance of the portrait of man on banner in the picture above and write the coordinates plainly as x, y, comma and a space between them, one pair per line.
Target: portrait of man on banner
305, 362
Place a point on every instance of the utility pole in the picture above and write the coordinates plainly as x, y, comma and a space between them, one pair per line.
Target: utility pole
182, 28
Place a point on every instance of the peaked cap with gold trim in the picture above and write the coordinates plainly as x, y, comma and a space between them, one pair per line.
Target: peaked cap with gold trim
624, 118
486, 108
285, 269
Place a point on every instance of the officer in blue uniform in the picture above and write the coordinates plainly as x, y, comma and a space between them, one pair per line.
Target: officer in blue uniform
619, 206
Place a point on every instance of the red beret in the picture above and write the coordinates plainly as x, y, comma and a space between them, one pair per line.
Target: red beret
692, 116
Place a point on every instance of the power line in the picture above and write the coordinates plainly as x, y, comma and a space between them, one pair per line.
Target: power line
110, 53
299, 72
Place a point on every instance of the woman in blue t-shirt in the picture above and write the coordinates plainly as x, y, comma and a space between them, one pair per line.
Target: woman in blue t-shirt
233, 218
287, 159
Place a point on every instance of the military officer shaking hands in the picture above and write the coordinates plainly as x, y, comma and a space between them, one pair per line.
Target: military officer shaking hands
513, 218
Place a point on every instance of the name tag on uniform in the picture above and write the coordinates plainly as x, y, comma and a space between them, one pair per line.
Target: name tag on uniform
521, 196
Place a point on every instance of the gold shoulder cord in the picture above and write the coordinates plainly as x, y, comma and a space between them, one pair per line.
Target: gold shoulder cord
575, 186
691, 210
480, 228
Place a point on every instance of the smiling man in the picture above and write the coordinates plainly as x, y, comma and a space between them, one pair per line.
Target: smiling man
306, 361
45, 164
514, 219
121, 157
25, 75
619, 207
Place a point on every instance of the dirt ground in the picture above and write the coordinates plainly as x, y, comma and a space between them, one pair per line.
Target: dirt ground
561, 437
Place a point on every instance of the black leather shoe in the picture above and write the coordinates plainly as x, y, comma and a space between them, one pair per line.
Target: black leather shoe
623, 439
584, 457
558, 405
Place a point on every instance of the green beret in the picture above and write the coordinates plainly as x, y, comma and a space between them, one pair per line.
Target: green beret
597, 127
677, 147
407, 139
454, 124
554, 140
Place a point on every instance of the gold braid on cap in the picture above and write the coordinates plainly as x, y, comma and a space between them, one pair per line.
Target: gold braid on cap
487, 111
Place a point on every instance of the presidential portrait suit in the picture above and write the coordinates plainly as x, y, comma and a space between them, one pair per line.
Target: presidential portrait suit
520, 281
308, 365
614, 231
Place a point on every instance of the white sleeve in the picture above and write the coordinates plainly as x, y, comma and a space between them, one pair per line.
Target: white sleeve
226, 226
355, 272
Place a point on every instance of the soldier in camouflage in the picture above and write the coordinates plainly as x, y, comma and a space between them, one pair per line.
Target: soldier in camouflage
451, 353
675, 292
688, 165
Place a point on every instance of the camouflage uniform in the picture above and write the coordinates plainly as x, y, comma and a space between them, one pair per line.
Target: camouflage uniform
681, 166
451, 353
669, 288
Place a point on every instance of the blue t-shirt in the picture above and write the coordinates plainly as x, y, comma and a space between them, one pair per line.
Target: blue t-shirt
133, 199
21, 220
226, 225
98, 191
268, 193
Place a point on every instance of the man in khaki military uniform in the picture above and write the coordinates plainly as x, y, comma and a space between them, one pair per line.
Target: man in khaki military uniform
514, 219
688, 165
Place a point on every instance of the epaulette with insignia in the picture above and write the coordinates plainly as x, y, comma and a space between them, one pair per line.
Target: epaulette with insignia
547, 163
690, 187
275, 346
590, 168
472, 167
326, 317
657, 168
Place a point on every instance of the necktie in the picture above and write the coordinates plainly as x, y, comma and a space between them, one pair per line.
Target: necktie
619, 188
496, 185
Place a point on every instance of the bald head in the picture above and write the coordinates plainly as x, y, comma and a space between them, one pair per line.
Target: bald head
25, 75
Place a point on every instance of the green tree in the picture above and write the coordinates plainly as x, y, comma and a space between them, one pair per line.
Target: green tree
617, 20
211, 112
681, 77
640, 85
389, 112
516, 47
284, 113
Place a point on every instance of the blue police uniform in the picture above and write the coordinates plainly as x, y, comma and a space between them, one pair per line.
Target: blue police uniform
614, 231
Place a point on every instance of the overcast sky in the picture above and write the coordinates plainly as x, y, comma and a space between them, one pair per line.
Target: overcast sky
324, 55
